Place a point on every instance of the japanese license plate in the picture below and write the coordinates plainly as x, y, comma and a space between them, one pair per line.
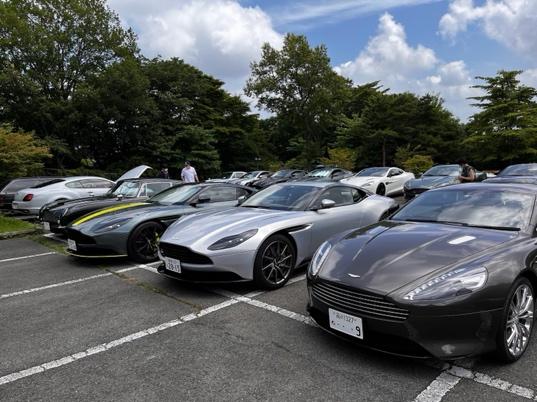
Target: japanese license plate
71, 245
346, 323
172, 264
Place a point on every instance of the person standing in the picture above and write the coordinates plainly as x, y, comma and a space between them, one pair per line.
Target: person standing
164, 174
467, 172
188, 174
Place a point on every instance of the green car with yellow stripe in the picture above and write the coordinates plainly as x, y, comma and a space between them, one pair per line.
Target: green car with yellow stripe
133, 229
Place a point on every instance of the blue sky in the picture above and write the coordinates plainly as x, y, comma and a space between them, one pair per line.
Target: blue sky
422, 46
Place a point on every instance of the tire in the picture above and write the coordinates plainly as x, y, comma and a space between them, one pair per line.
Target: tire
277, 248
508, 352
143, 241
381, 189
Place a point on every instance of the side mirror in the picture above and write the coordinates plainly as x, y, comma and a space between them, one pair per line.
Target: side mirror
120, 197
241, 199
326, 203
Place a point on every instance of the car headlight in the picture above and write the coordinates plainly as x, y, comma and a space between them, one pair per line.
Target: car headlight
232, 241
367, 184
318, 258
453, 283
110, 225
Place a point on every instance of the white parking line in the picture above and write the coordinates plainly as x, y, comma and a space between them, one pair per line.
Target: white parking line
71, 282
440, 386
26, 256
109, 345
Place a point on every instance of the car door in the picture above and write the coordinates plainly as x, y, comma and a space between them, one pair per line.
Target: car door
218, 196
394, 181
343, 216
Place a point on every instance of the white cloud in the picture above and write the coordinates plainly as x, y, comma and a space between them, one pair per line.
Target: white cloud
529, 77
328, 11
389, 58
220, 37
509, 22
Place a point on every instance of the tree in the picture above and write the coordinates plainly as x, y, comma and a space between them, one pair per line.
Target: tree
418, 164
20, 153
49, 48
341, 157
298, 84
505, 130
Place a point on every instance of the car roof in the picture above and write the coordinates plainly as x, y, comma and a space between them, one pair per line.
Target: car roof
320, 184
519, 187
151, 179
84, 177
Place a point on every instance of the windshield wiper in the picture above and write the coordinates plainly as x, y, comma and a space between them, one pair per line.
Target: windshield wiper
509, 228
254, 206
435, 221
512, 229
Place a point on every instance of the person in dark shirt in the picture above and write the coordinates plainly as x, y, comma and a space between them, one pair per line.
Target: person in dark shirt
467, 172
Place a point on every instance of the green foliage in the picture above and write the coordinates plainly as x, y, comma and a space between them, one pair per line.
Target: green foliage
8, 225
418, 164
340, 157
505, 130
20, 154
298, 84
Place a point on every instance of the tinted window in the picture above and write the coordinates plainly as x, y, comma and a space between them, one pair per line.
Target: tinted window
471, 207
48, 183
443, 170
150, 189
220, 194
241, 192
17, 185
96, 183
340, 195
127, 189
74, 184
176, 195
288, 197
373, 172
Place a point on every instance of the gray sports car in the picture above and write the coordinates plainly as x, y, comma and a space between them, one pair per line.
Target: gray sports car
270, 234
133, 229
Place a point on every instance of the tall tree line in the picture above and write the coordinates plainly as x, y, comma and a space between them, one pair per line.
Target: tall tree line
73, 75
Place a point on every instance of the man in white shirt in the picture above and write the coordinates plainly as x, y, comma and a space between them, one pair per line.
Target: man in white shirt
188, 174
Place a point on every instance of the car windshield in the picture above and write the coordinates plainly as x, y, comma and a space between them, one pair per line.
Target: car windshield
373, 172
319, 173
175, 195
283, 197
489, 208
250, 175
281, 173
520, 170
127, 189
443, 170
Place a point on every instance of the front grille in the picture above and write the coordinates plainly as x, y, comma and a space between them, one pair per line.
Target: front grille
357, 302
184, 254
48, 215
79, 237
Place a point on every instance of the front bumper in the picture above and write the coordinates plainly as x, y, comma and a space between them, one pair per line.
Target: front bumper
228, 266
420, 334
105, 246
22, 206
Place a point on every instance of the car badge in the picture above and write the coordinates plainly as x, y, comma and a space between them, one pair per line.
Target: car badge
354, 275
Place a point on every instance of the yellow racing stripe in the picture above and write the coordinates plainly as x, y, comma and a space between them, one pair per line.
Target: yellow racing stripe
105, 211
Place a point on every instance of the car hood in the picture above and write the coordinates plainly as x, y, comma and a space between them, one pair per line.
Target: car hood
134, 173
431, 181
360, 181
224, 223
129, 210
386, 256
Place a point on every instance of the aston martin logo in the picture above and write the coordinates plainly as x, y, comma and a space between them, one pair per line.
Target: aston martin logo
354, 275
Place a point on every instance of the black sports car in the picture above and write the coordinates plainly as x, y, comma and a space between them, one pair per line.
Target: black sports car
452, 274
280, 176
521, 173
57, 215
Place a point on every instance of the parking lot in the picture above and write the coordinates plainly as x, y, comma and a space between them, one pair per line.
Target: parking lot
114, 330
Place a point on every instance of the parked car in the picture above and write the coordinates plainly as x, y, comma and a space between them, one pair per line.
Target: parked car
381, 180
248, 178
280, 176
435, 177
57, 215
326, 174
133, 229
268, 235
31, 200
521, 173
7, 193
227, 176
451, 274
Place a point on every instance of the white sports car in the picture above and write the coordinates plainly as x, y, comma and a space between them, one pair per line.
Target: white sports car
381, 180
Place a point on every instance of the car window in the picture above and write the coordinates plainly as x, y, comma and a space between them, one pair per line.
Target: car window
283, 197
241, 192
372, 172
17, 185
297, 174
150, 189
74, 184
220, 193
340, 195
96, 183
394, 172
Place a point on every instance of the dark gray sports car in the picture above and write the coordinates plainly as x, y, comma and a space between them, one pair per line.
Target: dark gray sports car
452, 274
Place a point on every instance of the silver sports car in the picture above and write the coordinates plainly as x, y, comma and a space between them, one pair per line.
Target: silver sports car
270, 234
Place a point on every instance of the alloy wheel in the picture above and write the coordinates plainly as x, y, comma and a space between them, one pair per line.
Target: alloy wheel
519, 320
147, 241
277, 260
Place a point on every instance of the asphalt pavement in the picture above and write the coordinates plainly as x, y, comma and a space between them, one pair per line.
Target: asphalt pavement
116, 330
